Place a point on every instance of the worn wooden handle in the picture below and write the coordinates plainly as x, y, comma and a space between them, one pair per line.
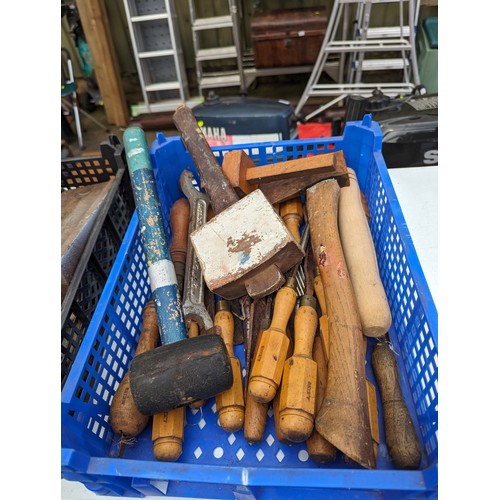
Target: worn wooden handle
320, 450
124, 417
179, 224
400, 434
221, 193
361, 260
255, 412
230, 404
343, 418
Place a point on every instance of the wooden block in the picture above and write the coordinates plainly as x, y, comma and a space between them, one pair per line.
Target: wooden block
241, 242
327, 162
235, 165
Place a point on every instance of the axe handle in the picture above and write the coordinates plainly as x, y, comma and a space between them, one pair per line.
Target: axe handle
343, 418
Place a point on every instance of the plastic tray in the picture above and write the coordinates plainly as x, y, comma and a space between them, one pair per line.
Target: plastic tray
214, 463
102, 245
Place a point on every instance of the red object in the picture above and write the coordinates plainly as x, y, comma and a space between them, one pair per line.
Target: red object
314, 130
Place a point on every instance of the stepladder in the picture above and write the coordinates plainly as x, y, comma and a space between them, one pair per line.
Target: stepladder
374, 43
217, 46
158, 54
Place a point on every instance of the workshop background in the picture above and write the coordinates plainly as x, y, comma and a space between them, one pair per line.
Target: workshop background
249, 78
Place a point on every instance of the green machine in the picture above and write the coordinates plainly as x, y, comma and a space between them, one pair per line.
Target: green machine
427, 50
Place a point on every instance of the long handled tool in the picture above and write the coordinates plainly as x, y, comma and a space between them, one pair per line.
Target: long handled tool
343, 418
156, 384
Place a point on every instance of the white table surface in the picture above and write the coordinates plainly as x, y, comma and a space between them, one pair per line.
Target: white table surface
417, 192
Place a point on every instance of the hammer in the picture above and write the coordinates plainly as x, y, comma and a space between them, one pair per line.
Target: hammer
246, 247
181, 370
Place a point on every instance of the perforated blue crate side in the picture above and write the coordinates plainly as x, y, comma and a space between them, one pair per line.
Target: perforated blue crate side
106, 351
210, 455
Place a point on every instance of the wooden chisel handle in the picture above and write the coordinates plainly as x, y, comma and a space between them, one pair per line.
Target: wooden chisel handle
400, 434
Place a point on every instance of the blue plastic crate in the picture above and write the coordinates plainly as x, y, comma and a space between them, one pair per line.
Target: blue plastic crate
214, 463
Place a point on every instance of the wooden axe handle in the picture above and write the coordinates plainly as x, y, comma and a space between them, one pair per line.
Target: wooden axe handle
343, 418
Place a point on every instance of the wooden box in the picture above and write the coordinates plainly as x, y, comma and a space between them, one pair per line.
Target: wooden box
288, 37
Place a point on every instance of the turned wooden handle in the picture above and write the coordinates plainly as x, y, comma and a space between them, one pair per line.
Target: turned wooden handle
292, 213
270, 352
298, 386
343, 418
168, 434
124, 417
361, 259
230, 404
400, 434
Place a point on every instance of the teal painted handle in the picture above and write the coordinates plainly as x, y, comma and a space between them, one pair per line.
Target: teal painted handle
161, 270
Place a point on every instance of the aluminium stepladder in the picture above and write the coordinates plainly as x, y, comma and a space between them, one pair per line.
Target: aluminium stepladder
158, 54
231, 76
388, 40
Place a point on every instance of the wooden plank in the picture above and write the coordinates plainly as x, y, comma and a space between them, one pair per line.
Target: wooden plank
95, 23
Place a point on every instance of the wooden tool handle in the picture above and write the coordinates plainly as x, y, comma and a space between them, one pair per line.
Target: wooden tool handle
320, 450
270, 353
230, 404
221, 193
179, 224
255, 420
343, 418
124, 417
298, 386
291, 212
400, 434
305, 326
318, 290
285, 301
361, 260
255, 412
168, 434
277, 398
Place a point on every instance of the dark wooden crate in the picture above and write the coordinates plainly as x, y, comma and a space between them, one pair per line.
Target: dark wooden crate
288, 37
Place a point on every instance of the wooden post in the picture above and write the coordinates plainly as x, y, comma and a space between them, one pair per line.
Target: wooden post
96, 27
